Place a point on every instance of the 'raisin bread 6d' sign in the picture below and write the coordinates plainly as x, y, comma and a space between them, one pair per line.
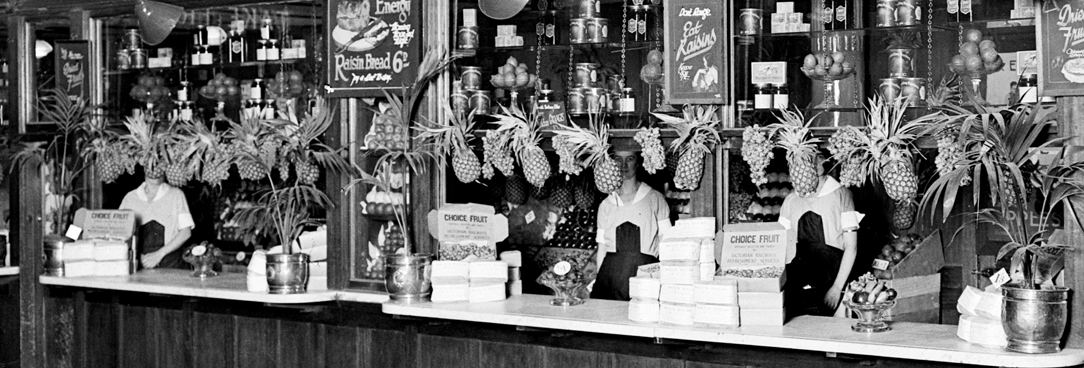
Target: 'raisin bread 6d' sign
1061, 48
374, 44
695, 63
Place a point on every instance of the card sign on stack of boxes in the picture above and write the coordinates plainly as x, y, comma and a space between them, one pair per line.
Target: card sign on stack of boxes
666, 292
106, 245
468, 269
754, 259
785, 20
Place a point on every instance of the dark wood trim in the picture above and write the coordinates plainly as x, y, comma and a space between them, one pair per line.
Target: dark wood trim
26, 233
1071, 124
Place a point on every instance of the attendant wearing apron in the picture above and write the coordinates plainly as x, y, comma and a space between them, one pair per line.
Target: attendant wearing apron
628, 227
165, 223
821, 247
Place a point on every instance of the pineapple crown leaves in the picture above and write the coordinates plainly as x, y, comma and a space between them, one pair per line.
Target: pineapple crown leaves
697, 128
283, 211
891, 136
997, 145
792, 134
524, 131
449, 137
144, 142
300, 140
589, 145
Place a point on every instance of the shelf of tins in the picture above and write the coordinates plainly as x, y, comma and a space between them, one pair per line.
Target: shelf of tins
885, 51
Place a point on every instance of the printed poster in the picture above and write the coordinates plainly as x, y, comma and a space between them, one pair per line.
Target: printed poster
373, 45
695, 61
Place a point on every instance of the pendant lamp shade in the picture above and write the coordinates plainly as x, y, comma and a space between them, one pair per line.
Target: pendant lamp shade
501, 9
156, 20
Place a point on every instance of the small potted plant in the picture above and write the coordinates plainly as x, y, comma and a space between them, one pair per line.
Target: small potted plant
266, 147
999, 157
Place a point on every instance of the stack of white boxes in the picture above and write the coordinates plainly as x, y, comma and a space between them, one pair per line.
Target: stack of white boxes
785, 20
716, 302
487, 281
96, 258
684, 263
761, 301
514, 259
477, 281
980, 318
644, 291
506, 36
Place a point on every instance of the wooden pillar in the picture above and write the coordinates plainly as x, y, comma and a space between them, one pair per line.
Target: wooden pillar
26, 233
428, 190
1071, 124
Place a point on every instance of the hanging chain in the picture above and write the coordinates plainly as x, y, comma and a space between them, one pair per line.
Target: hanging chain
658, 43
538, 48
571, 67
929, 47
854, 48
624, 31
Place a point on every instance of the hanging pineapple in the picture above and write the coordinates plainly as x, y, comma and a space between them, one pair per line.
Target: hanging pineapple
844, 145
562, 195
452, 139
793, 135
903, 215
144, 144
525, 135
891, 144
756, 150
593, 145
697, 133
585, 195
946, 93
255, 148
652, 150
516, 189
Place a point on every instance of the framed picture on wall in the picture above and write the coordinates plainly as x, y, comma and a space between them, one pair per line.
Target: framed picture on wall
695, 62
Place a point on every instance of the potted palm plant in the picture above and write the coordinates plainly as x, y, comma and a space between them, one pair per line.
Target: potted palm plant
999, 156
268, 146
407, 274
63, 158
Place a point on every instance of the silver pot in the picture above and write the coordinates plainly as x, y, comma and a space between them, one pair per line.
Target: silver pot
407, 277
1034, 320
53, 246
287, 273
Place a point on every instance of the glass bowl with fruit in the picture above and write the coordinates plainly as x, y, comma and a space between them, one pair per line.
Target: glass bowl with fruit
202, 257
869, 298
568, 282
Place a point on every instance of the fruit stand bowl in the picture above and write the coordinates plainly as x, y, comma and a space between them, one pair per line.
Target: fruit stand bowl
870, 317
566, 292
811, 73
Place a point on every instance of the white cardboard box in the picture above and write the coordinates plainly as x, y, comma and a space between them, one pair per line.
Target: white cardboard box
676, 293
760, 300
762, 317
449, 269
716, 292
643, 287
715, 314
678, 314
644, 310
684, 249
679, 272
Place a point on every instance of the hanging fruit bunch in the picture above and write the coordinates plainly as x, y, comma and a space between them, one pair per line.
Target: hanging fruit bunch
215, 157
567, 163
300, 145
452, 139
150, 89
697, 134
792, 134
844, 146
182, 148
652, 150
526, 133
512, 75
286, 84
950, 150
651, 72
255, 147
110, 157
220, 87
593, 145
756, 150
496, 153
977, 56
144, 144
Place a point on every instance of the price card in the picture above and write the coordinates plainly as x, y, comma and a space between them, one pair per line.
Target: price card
965, 6
529, 217
561, 268
1000, 278
953, 6
73, 232
881, 264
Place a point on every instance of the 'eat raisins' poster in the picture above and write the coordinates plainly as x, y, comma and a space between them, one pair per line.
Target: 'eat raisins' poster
695, 61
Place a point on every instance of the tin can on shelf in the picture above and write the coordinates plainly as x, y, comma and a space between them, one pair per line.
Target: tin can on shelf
587, 8
913, 89
459, 100
598, 30
479, 102
471, 78
595, 99
624, 102
586, 74
750, 21
886, 13
467, 38
908, 12
576, 105
889, 88
577, 30
123, 59
901, 63
132, 39
137, 58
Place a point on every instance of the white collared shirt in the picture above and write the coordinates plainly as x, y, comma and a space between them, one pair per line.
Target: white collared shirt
647, 208
833, 203
169, 208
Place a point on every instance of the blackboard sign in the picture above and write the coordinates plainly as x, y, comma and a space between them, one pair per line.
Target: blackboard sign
551, 113
374, 44
1061, 48
695, 64
71, 68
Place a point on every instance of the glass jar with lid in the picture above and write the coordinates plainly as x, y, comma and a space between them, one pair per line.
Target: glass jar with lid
762, 96
625, 101
780, 96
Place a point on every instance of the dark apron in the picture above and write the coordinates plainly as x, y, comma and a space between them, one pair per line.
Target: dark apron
813, 270
613, 278
152, 237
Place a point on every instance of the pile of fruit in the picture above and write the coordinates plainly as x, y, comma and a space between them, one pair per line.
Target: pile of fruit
287, 84
823, 64
220, 87
769, 197
869, 290
651, 72
759, 273
380, 203
150, 89
567, 274
575, 229
977, 56
513, 75
386, 134
892, 254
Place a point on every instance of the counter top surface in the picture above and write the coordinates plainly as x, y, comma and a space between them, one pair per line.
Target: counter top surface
916, 341
228, 286
9, 271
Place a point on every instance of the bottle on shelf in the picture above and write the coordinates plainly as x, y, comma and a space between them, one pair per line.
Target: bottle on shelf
238, 52
267, 30
842, 16
762, 96
201, 36
273, 51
